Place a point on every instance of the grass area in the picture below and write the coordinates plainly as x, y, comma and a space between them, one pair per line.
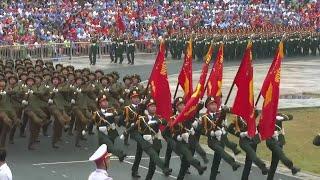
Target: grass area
299, 135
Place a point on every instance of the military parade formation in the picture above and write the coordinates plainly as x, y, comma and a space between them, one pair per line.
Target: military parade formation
75, 101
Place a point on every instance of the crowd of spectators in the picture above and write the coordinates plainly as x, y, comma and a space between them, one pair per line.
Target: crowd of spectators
49, 21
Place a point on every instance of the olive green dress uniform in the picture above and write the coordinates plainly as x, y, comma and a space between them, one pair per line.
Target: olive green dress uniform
275, 144
36, 96
112, 50
7, 114
57, 106
16, 92
81, 112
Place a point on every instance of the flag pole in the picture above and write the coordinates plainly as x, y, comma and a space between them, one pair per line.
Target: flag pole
176, 91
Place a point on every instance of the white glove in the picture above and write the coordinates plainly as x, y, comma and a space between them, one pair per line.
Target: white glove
195, 124
73, 101
3, 93
55, 90
103, 129
212, 133
24, 102
71, 86
106, 89
121, 101
148, 138
192, 132
50, 101
108, 114
185, 137
143, 101
132, 124
275, 135
113, 126
224, 107
83, 133
97, 99
122, 137
243, 134
279, 118
93, 85
179, 138
127, 91
47, 86
218, 134
152, 122
30, 91
223, 131
79, 90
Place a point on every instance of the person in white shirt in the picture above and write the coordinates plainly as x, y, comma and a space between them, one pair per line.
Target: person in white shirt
102, 159
5, 172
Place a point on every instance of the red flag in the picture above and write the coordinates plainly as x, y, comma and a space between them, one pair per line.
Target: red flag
185, 76
270, 93
160, 90
119, 22
244, 101
191, 106
215, 78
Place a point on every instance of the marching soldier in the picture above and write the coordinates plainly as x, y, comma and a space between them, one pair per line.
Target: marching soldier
249, 145
80, 110
209, 125
37, 102
181, 133
149, 138
7, 114
57, 104
106, 126
275, 144
130, 115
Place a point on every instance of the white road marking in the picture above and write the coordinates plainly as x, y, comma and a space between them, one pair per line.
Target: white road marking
113, 158
143, 167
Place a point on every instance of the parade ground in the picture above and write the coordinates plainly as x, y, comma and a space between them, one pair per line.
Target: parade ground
299, 88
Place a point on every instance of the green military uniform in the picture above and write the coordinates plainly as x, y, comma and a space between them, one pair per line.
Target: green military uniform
239, 128
80, 110
120, 48
147, 136
181, 137
130, 117
94, 48
275, 144
130, 50
209, 126
106, 127
57, 104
